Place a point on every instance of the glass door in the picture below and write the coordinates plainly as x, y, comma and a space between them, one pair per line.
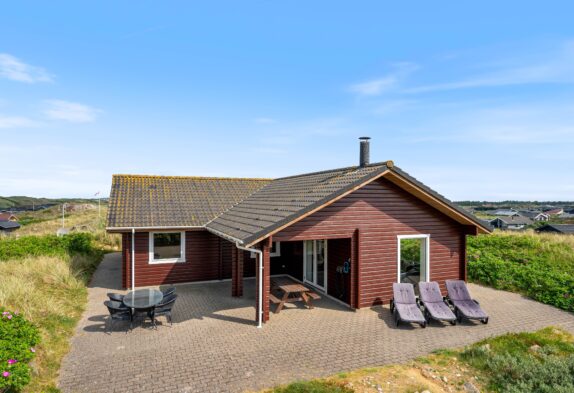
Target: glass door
315, 262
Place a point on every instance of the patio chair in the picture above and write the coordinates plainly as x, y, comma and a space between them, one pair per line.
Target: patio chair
115, 297
404, 305
434, 304
167, 291
168, 298
164, 309
118, 312
464, 305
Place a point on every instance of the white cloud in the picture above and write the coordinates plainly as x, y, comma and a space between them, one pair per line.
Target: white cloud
552, 67
16, 122
265, 120
14, 69
385, 83
70, 111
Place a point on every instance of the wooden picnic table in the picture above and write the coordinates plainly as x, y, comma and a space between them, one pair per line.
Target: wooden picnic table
292, 291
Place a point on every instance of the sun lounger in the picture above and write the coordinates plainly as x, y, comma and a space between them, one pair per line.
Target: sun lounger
435, 305
464, 305
404, 305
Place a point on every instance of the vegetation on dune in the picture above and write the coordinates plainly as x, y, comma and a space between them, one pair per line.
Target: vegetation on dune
48, 221
539, 362
540, 266
44, 279
18, 339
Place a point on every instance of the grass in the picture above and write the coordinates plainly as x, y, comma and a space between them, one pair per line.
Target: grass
48, 221
540, 266
50, 291
535, 362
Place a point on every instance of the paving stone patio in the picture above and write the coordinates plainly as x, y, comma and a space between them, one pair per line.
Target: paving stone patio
214, 345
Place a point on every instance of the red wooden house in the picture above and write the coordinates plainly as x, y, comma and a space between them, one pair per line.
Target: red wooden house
350, 232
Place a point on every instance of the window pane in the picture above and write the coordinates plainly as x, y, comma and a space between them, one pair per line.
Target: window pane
166, 245
413, 261
321, 262
309, 260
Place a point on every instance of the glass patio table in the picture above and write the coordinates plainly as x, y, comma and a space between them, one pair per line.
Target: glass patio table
143, 300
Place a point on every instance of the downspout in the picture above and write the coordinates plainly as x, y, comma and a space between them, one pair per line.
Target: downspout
133, 259
260, 283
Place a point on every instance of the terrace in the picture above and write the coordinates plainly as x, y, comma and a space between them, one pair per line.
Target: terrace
212, 345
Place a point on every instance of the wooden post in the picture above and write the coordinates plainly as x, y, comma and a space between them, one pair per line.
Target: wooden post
234, 272
354, 291
265, 246
239, 284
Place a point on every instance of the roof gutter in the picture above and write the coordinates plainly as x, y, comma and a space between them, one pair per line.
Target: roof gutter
260, 282
225, 236
152, 227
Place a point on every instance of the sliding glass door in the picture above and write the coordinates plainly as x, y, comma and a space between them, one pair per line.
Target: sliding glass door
315, 262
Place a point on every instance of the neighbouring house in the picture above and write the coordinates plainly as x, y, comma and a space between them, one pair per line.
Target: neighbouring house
350, 233
554, 212
557, 228
503, 212
566, 216
512, 223
534, 215
8, 226
7, 216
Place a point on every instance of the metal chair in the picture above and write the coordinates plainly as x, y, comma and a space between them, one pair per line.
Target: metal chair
168, 291
116, 297
164, 308
118, 312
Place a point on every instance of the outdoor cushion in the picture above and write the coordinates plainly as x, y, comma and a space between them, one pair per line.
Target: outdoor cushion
463, 303
457, 290
434, 303
470, 309
405, 304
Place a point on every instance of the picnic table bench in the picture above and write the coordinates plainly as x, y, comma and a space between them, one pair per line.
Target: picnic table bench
290, 291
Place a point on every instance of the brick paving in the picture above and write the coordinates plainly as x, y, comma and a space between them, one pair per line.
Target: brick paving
214, 345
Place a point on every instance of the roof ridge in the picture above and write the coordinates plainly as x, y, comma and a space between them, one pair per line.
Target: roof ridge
192, 177
335, 170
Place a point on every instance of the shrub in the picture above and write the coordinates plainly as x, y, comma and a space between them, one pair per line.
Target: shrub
540, 267
48, 245
18, 337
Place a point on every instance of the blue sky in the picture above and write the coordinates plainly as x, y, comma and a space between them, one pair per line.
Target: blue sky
475, 100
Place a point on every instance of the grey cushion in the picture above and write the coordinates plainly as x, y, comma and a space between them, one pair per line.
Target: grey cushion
406, 303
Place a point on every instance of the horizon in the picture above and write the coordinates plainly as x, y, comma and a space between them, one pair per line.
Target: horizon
478, 110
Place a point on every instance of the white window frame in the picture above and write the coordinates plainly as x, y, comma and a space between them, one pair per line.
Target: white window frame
153, 261
426, 251
277, 252
314, 262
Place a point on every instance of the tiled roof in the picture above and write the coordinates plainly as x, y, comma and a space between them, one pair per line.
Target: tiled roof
514, 220
243, 210
563, 228
284, 199
174, 201
9, 225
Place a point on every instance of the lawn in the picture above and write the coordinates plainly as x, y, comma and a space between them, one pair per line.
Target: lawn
539, 362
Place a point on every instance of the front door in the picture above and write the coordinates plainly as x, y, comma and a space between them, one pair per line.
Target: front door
315, 261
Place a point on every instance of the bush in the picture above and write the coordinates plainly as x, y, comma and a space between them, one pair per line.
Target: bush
48, 245
547, 374
537, 362
540, 267
18, 337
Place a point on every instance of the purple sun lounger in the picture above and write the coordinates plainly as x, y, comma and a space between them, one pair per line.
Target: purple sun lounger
404, 305
435, 305
464, 305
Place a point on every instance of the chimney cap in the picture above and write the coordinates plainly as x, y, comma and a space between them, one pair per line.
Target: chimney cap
364, 138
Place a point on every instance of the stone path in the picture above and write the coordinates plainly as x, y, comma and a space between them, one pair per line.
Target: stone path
214, 345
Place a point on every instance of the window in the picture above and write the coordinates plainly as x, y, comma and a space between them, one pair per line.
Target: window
166, 247
275, 250
413, 259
